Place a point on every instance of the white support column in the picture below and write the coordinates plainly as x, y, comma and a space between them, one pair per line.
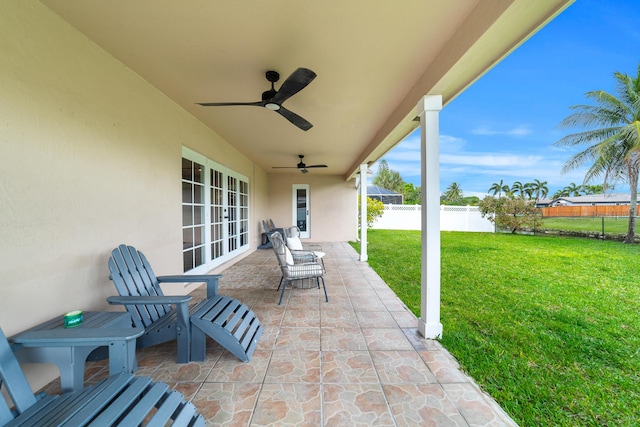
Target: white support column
428, 109
363, 212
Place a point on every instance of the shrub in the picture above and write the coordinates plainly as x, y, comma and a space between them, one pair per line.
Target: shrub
375, 209
511, 213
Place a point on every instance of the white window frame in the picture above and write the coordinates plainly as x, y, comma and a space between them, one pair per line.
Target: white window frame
242, 215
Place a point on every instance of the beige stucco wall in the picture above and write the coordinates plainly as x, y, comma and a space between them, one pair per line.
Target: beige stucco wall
332, 203
90, 157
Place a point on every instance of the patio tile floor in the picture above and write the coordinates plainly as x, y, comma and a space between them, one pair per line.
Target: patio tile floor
355, 360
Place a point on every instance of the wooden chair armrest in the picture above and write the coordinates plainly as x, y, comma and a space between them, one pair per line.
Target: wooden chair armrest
133, 300
210, 279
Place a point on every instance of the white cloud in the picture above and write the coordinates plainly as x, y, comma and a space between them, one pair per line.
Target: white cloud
489, 159
450, 143
518, 131
475, 171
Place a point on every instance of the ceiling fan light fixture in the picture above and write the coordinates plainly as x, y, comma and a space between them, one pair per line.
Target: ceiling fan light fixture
302, 166
273, 99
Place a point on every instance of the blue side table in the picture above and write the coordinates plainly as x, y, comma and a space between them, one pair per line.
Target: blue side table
69, 348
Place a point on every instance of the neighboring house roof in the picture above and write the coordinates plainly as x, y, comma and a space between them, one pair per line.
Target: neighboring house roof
386, 196
541, 203
377, 190
593, 199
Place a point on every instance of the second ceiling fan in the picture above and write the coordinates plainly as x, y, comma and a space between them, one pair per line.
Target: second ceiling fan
301, 166
273, 99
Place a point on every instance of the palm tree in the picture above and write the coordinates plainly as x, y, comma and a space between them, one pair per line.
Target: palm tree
517, 188
539, 188
453, 193
614, 140
592, 189
573, 189
561, 193
528, 190
388, 178
496, 188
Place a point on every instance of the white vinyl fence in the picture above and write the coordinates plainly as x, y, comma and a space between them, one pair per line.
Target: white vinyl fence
452, 218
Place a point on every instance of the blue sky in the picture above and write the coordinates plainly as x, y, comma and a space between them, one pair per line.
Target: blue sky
503, 127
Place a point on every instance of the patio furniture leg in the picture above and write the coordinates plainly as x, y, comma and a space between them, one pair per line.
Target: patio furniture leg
284, 286
198, 345
326, 297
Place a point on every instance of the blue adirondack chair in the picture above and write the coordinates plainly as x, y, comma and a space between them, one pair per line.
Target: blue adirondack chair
121, 400
226, 320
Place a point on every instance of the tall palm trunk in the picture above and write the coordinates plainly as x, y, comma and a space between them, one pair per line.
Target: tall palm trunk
633, 186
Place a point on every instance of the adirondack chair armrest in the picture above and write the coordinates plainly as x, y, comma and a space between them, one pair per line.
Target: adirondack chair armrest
210, 279
134, 300
76, 337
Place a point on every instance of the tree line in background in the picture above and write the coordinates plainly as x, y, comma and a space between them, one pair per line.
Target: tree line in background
391, 180
538, 189
611, 134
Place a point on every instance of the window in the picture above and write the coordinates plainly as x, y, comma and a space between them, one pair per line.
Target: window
192, 214
215, 212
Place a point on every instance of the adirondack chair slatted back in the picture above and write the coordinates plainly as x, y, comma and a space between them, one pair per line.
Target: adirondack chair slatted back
14, 381
133, 276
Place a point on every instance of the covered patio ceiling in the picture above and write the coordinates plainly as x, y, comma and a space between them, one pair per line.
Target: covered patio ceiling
374, 60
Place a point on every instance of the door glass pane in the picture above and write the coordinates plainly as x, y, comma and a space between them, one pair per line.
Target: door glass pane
216, 192
198, 193
187, 170
187, 196
232, 206
187, 215
187, 260
243, 208
198, 236
198, 215
301, 209
192, 213
187, 238
198, 175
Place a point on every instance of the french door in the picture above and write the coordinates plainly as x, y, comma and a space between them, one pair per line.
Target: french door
215, 213
300, 214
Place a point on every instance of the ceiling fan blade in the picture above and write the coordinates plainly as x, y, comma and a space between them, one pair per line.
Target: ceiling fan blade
284, 167
297, 81
316, 166
294, 118
224, 104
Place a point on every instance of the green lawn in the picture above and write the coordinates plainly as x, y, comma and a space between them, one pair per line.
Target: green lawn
549, 326
612, 225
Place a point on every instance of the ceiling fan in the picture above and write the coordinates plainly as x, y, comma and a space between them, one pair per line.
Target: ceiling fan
273, 99
301, 166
